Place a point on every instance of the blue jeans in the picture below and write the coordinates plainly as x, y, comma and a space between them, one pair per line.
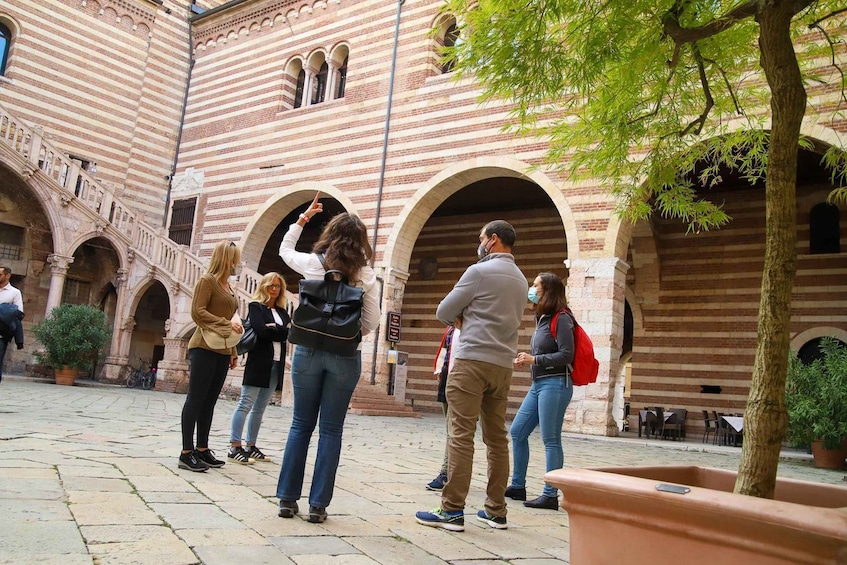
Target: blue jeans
544, 404
323, 384
254, 400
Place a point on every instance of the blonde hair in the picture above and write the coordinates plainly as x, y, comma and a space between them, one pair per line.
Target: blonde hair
262, 295
225, 255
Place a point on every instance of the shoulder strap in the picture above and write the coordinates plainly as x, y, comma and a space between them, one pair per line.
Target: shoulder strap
321, 259
554, 323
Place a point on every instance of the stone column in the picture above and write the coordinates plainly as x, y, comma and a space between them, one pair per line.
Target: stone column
59, 265
117, 359
172, 375
331, 81
392, 301
307, 87
595, 290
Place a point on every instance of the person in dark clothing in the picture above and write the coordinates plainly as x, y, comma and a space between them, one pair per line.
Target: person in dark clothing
550, 359
10, 296
442, 368
264, 369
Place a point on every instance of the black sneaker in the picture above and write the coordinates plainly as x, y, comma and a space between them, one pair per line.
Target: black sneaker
288, 508
317, 515
253, 452
516, 493
207, 456
238, 455
498, 522
438, 482
191, 462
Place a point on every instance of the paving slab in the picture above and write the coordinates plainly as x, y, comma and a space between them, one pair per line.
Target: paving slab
252, 555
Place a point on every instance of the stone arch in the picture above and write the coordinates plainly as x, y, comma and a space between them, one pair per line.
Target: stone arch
618, 233
12, 23
44, 195
339, 52
266, 218
410, 221
136, 293
813, 333
120, 247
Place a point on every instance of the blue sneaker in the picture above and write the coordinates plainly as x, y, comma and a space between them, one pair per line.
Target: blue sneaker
453, 521
498, 522
438, 482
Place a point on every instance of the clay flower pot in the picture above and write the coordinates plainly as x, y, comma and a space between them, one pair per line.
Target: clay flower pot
66, 376
829, 458
690, 515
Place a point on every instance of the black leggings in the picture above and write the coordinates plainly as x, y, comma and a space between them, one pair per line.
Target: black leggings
205, 381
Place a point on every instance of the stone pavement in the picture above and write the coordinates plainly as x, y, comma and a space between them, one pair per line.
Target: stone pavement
89, 476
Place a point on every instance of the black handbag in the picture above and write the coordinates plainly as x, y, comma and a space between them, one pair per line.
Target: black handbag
247, 341
329, 315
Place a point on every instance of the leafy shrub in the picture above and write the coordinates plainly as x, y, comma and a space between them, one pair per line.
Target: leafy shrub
72, 335
816, 397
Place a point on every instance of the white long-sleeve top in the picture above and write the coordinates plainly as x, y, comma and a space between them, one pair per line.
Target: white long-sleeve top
308, 265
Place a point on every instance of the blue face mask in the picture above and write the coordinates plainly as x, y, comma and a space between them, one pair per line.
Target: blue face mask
532, 295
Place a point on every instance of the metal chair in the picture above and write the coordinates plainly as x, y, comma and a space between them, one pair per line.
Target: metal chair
708, 423
675, 424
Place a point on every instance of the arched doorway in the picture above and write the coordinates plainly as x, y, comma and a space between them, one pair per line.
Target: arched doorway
26, 242
698, 294
446, 245
148, 334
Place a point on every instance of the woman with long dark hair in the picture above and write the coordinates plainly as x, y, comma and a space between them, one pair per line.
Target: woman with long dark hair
264, 368
324, 381
211, 352
550, 358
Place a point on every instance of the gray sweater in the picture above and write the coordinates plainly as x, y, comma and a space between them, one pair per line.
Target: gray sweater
490, 297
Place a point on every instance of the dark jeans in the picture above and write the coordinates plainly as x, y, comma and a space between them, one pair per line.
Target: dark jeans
205, 381
323, 384
4, 343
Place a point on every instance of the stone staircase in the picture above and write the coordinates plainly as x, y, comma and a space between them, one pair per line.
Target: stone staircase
372, 400
149, 251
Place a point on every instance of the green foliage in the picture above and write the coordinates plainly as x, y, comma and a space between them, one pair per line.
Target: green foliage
72, 335
625, 93
816, 397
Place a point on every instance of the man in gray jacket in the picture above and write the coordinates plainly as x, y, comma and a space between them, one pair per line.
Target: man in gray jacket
487, 304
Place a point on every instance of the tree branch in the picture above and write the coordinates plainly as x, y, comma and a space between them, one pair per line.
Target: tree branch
817, 26
672, 28
815, 23
697, 125
738, 109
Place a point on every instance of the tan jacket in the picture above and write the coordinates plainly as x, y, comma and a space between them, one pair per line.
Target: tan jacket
212, 309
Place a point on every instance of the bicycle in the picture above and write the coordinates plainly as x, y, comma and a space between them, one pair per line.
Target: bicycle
145, 378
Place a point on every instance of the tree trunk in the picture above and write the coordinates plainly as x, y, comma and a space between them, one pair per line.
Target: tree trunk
765, 418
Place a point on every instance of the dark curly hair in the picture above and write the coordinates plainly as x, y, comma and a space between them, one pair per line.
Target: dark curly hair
345, 243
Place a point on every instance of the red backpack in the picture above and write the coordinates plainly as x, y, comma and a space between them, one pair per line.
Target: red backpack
585, 366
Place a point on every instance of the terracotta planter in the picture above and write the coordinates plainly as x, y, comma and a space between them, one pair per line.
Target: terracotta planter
66, 376
617, 515
829, 458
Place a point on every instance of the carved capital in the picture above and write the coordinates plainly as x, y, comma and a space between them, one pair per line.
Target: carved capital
121, 276
59, 264
128, 323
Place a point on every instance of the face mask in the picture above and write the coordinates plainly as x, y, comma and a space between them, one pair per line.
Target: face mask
532, 295
482, 251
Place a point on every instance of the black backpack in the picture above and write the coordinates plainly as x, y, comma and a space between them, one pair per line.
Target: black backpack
329, 314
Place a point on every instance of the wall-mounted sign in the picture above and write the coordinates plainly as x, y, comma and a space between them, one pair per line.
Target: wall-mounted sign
394, 320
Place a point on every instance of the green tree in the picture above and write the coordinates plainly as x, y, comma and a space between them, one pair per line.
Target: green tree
641, 93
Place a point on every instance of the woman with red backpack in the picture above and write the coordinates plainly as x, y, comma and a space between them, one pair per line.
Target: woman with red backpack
550, 358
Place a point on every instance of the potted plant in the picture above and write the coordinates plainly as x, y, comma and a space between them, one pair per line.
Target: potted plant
816, 398
72, 336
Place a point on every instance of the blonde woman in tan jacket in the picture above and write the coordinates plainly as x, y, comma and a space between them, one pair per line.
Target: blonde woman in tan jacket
211, 353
